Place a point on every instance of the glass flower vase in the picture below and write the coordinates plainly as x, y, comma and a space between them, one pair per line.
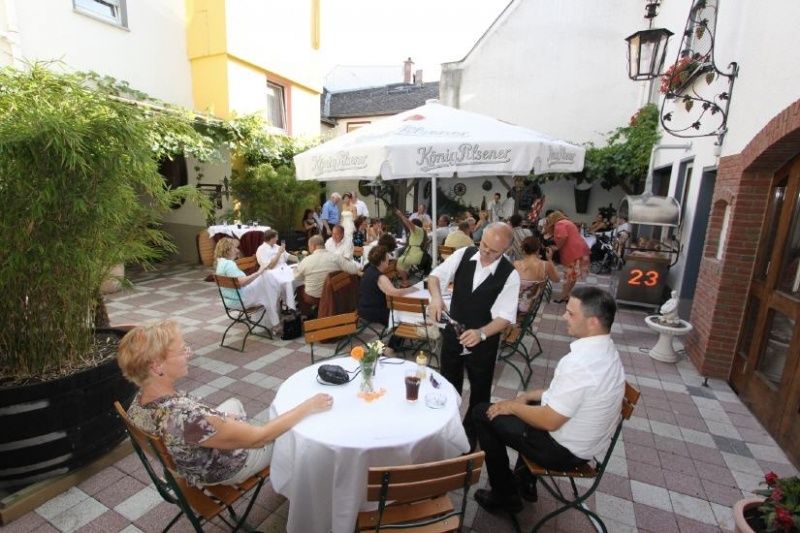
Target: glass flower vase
367, 375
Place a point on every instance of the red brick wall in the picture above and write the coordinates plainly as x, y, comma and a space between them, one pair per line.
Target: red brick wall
720, 298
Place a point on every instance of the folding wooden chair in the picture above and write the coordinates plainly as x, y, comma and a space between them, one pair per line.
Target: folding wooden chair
576, 501
445, 252
410, 329
418, 495
331, 327
250, 241
199, 505
513, 342
248, 264
240, 314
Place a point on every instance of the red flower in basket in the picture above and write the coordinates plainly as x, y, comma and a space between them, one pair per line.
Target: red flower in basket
771, 478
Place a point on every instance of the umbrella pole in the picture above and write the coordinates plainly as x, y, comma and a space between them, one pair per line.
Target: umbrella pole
435, 219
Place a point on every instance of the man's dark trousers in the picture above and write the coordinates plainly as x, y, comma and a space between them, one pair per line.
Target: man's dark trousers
535, 444
479, 365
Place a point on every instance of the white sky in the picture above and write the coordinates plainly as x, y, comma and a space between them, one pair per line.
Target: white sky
386, 32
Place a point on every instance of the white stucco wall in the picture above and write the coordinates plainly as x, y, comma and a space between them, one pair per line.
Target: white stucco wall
560, 68
305, 112
555, 67
257, 29
150, 54
763, 39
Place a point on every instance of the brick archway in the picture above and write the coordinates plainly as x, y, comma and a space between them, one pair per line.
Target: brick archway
743, 182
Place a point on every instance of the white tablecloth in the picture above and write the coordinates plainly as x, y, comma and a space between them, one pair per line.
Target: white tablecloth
321, 464
233, 229
414, 318
284, 276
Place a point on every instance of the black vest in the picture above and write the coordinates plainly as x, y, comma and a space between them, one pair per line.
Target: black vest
474, 308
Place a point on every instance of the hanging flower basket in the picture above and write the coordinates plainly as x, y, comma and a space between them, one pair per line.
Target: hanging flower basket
680, 74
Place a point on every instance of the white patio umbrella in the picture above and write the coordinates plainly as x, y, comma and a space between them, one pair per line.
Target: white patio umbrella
437, 141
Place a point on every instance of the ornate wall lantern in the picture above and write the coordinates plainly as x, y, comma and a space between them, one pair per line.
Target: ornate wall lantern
647, 49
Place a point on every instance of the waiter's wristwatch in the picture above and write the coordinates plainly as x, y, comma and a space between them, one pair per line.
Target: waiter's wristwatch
483, 334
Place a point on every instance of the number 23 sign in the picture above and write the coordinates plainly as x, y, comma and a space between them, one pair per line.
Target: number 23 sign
648, 278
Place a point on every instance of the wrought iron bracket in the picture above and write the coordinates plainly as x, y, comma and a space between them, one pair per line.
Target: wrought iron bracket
686, 89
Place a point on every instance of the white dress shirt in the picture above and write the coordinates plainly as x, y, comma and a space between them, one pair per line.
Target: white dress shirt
344, 248
361, 208
266, 252
588, 386
505, 306
424, 218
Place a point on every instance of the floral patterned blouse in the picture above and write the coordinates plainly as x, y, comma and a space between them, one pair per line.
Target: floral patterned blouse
181, 421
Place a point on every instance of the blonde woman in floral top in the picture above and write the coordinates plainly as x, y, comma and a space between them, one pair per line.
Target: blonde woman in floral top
209, 445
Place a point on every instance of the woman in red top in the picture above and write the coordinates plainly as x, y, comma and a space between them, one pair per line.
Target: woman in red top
572, 250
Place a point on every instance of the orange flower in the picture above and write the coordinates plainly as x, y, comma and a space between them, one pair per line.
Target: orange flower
357, 353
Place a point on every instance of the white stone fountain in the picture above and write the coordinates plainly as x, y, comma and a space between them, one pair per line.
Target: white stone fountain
668, 325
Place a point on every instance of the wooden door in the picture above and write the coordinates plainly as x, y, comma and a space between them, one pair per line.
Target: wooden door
766, 368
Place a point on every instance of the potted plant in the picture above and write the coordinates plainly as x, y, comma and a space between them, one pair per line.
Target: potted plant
80, 193
779, 511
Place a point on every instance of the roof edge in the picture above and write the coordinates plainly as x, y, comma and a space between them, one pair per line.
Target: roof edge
512, 5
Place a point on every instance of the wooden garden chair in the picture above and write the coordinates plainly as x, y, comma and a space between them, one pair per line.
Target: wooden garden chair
331, 327
414, 497
592, 470
416, 319
250, 317
199, 505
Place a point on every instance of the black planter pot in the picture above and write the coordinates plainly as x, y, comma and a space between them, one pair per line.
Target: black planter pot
51, 428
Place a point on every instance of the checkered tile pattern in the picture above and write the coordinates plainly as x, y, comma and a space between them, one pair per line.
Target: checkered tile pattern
688, 453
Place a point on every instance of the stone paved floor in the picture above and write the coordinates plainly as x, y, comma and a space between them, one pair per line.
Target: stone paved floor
688, 453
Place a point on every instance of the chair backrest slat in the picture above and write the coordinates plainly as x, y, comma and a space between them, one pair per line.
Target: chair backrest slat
330, 333
248, 264
227, 283
330, 327
416, 482
405, 304
427, 488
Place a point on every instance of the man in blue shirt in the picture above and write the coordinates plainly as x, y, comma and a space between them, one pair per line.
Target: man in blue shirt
330, 213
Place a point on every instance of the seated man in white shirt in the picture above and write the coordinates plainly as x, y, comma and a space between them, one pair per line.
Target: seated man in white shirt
566, 424
272, 255
337, 244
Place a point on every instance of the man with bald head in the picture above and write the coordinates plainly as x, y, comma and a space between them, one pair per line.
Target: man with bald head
485, 295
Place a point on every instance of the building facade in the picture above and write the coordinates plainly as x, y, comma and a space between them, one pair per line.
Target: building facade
217, 57
560, 68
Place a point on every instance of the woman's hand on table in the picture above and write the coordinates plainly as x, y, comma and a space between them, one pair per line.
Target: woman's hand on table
318, 403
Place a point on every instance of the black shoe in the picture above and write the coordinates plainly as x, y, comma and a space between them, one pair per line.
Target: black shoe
493, 503
526, 485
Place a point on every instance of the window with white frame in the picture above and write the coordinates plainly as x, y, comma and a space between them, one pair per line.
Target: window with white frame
276, 105
113, 11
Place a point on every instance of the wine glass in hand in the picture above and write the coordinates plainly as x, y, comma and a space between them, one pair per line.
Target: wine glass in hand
459, 329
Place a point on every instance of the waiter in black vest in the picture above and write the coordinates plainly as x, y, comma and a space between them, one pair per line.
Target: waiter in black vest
485, 295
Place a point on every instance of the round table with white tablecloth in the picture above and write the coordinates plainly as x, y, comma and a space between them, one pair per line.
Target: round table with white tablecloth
234, 230
321, 464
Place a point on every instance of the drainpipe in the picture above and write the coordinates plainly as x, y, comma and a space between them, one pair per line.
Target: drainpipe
10, 33
649, 180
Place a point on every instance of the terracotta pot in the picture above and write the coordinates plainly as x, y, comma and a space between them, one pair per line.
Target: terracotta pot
739, 509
